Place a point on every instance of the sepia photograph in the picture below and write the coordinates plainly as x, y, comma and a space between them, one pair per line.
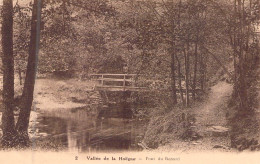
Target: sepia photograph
139, 81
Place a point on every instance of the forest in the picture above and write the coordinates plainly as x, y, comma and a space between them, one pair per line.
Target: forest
198, 59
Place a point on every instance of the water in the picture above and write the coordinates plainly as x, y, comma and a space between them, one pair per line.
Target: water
113, 129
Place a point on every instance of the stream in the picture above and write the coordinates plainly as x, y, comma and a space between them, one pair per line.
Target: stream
79, 130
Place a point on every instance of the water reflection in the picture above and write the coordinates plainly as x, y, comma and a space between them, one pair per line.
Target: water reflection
79, 130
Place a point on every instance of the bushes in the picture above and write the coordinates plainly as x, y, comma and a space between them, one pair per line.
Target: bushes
165, 126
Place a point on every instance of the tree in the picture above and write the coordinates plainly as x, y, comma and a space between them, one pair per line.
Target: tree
8, 74
242, 36
14, 136
28, 90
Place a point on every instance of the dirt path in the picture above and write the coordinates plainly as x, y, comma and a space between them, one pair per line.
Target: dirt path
210, 123
213, 111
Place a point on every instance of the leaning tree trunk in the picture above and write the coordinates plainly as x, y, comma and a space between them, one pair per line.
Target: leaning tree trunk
27, 96
8, 74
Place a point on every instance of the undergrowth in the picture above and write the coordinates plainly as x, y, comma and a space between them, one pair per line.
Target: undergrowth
166, 126
245, 123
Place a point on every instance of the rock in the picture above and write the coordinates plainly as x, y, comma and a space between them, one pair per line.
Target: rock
196, 136
191, 135
221, 147
43, 134
196, 142
143, 145
218, 131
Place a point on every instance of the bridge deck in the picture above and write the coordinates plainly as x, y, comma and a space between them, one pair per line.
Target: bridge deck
118, 88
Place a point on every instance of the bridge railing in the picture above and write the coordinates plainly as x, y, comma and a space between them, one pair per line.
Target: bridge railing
123, 81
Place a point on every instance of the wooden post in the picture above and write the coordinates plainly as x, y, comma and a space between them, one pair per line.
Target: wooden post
102, 79
124, 83
133, 81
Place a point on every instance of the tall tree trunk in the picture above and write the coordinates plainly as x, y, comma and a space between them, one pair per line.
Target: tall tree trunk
173, 85
201, 67
187, 72
242, 90
234, 46
194, 84
195, 69
187, 64
180, 78
27, 96
203, 70
8, 74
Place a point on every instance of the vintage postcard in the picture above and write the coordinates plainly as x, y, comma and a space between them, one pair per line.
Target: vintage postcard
130, 81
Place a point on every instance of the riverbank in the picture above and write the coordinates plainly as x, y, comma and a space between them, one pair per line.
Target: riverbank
53, 94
